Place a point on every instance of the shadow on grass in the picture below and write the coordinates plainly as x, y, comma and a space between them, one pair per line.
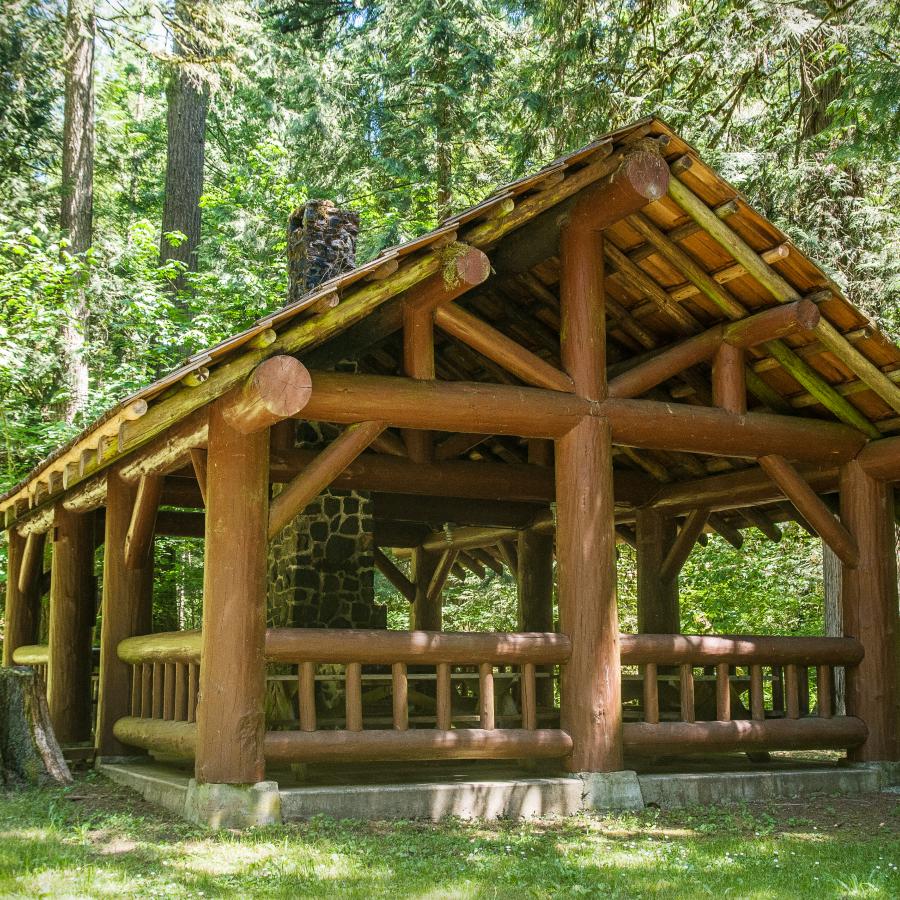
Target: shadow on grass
110, 843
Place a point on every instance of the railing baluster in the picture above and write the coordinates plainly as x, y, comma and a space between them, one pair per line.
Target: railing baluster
181, 678
399, 696
803, 685
146, 690
157, 690
306, 695
777, 689
823, 690
486, 683
444, 709
169, 691
757, 698
723, 693
687, 692
529, 697
193, 690
353, 694
651, 694
791, 692
136, 690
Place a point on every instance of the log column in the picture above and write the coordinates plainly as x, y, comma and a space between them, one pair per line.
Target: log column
869, 601
657, 598
591, 695
127, 607
23, 606
72, 613
426, 610
230, 717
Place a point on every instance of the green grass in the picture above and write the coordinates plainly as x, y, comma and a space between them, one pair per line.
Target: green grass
95, 840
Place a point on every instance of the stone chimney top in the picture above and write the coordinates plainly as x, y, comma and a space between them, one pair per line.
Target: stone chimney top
321, 245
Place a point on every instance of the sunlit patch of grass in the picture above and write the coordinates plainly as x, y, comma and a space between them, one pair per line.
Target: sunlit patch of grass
116, 846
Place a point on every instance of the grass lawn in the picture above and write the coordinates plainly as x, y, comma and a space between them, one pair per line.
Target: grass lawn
97, 840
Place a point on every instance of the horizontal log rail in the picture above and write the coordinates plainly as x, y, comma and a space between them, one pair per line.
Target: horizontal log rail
709, 712
179, 739
345, 645
705, 650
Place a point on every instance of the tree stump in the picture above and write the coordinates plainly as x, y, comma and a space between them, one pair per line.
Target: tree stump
29, 752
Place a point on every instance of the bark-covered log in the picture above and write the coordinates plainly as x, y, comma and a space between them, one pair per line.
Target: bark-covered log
29, 752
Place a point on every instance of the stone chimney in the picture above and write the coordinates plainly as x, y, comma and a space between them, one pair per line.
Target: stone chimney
321, 244
321, 566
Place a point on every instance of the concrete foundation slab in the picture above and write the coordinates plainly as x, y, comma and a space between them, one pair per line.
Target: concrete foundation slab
484, 793
521, 798
672, 791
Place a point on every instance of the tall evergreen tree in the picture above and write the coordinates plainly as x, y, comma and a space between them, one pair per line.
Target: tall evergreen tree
77, 212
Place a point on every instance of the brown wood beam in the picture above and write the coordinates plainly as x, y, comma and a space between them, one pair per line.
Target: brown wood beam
390, 571
198, 463
760, 519
881, 459
681, 547
321, 472
440, 575
639, 179
418, 362
742, 334
230, 715
138, 546
657, 598
869, 602
32, 565
591, 690
426, 609
23, 607
729, 380
812, 508
457, 444
504, 351
694, 429
734, 490
443, 406
72, 615
126, 608
438, 511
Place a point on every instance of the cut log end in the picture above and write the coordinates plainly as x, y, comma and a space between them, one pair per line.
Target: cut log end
470, 268
647, 174
278, 388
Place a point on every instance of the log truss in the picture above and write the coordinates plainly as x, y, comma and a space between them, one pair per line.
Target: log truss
614, 349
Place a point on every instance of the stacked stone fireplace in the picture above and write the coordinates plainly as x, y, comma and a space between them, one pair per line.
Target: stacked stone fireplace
321, 566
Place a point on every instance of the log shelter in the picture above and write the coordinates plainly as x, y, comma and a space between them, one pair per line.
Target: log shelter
616, 348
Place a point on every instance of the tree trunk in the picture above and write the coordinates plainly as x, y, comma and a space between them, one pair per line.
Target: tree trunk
29, 751
188, 100
76, 213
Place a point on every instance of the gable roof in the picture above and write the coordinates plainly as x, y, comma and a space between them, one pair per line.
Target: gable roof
642, 282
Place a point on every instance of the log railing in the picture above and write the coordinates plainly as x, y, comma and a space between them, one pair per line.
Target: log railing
34, 655
165, 672
437, 659
683, 711
165, 675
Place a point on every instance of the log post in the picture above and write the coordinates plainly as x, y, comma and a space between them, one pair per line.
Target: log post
426, 610
869, 601
591, 694
657, 599
230, 719
71, 620
127, 607
23, 607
